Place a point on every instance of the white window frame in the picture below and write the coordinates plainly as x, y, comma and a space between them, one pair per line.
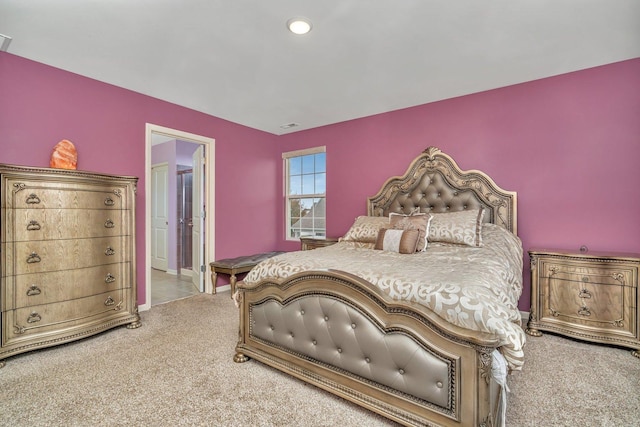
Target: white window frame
285, 158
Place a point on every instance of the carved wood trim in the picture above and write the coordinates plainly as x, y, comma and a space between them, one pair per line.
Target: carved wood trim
500, 204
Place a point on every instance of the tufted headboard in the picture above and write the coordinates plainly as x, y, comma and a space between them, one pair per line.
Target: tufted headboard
434, 183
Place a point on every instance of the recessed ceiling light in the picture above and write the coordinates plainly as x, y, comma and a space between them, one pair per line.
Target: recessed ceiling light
299, 25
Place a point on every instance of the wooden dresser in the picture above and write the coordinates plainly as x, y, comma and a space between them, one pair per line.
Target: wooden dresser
586, 296
67, 256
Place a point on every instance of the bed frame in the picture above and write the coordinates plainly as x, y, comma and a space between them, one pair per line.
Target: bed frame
340, 333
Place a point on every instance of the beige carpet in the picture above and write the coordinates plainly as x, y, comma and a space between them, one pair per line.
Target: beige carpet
177, 370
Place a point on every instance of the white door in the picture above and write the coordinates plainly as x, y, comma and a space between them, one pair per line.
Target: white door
159, 217
198, 213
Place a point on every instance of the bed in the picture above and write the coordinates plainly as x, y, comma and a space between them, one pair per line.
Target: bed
425, 332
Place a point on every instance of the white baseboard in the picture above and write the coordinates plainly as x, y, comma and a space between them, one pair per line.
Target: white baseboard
186, 272
223, 288
172, 271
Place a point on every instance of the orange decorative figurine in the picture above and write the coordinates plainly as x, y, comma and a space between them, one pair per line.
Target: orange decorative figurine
64, 155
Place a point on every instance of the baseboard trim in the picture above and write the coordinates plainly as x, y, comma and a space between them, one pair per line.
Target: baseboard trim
223, 288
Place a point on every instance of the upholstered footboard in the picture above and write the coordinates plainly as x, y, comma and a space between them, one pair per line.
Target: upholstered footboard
340, 333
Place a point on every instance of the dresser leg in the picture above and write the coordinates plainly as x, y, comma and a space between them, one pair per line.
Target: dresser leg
2, 363
532, 319
635, 353
135, 324
533, 332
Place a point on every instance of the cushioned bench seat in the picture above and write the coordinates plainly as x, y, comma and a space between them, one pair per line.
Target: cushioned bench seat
238, 265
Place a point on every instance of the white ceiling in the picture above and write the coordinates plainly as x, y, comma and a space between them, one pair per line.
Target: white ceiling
235, 59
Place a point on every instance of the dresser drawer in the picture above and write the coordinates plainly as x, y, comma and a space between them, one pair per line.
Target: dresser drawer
26, 194
24, 323
58, 255
49, 224
26, 290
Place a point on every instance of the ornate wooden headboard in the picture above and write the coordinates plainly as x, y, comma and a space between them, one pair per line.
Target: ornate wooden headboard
434, 183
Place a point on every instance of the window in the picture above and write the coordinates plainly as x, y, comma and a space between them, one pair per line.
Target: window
305, 192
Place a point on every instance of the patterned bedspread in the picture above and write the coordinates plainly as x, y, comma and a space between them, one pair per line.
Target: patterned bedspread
475, 288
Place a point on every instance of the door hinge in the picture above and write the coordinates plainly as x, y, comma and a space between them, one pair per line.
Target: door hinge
203, 268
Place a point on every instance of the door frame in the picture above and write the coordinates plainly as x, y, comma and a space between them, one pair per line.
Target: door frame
209, 201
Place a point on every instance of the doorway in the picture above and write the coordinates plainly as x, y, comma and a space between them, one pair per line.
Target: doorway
185, 219
182, 219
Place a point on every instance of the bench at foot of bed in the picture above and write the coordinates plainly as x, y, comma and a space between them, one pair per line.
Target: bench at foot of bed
238, 265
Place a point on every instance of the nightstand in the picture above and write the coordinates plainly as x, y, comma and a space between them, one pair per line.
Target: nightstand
587, 296
308, 243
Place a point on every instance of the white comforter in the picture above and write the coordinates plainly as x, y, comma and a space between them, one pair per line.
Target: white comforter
475, 288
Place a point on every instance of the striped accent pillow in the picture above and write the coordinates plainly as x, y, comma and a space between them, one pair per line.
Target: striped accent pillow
401, 241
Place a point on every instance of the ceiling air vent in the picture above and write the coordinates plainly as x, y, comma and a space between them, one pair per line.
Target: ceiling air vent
289, 125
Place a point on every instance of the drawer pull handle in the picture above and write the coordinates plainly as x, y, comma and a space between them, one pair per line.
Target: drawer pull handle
585, 279
109, 201
32, 199
109, 224
33, 258
109, 302
584, 311
33, 226
34, 318
109, 251
33, 290
584, 294
110, 278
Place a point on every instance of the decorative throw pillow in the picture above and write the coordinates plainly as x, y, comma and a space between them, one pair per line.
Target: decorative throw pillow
365, 229
417, 221
462, 228
401, 241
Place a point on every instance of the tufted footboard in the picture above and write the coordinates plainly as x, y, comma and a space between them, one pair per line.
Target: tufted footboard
340, 333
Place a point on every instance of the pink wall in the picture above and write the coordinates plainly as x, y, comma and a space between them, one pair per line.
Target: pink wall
40, 105
569, 145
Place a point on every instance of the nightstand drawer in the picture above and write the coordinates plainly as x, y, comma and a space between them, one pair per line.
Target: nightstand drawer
600, 306
308, 243
589, 272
